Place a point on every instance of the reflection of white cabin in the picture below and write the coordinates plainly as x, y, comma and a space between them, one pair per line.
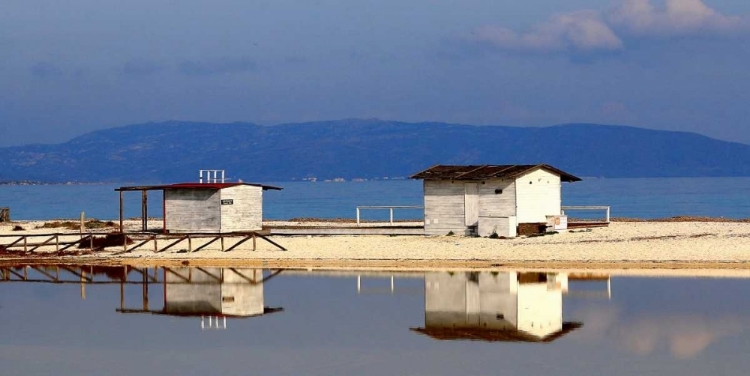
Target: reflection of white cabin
495, 306
214, 292
486, 199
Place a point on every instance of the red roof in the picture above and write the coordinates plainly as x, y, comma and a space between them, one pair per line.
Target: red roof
193, 186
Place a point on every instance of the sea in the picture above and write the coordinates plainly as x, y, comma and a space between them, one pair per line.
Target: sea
184, 320
642, 198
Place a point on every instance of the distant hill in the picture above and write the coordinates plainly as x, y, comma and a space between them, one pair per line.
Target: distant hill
175, 151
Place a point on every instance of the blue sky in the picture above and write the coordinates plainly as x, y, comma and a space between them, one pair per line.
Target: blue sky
75, 66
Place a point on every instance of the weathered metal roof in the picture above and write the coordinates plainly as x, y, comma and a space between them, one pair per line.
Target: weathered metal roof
481, 172
215, 186
493, 335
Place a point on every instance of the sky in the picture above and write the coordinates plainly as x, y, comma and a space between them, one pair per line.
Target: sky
70, 67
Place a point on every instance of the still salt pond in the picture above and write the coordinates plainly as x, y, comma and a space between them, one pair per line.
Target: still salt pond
285, 322
645, 198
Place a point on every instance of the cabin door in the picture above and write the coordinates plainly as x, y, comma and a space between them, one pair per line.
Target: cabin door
471, 204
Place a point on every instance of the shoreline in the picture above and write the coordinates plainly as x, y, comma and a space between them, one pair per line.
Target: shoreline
643, 245
612, 269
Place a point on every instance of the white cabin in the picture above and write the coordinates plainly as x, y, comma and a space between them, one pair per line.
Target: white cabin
490, 199
206, 207
213, 207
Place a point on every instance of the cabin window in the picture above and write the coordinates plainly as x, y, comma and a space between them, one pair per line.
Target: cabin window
498, 191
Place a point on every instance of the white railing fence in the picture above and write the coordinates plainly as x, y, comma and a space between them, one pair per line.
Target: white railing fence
390, 208
589, 207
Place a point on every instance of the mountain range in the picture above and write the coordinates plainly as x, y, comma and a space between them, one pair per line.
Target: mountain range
367, 149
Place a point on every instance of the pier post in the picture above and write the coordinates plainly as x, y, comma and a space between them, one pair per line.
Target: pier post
144, 210
121, 213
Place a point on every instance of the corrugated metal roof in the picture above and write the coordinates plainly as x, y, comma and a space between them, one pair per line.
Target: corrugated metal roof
480, 172
193, 186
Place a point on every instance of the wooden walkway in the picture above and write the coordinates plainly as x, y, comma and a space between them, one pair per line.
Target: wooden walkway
128, 241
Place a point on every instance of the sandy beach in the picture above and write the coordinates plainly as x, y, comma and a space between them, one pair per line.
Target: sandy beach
622, 244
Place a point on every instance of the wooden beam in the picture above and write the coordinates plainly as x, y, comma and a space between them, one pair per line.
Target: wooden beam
131, 249
246, 238
246, 278
173, 244
207, 244
74, 243
14, 243
218, 278
153, 279
168, 270
50, 276
271, 241
42, 243
274, 274
16, 274
80, 275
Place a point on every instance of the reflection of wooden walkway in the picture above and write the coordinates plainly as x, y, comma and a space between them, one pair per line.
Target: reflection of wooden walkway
30, 243
145, 277
68, 274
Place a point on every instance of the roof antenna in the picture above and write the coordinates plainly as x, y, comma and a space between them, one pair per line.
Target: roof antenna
211, 176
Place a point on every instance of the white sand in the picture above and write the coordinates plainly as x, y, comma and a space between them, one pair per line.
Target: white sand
632, 242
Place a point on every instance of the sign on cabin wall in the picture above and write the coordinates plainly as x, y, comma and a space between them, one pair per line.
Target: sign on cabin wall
227, 202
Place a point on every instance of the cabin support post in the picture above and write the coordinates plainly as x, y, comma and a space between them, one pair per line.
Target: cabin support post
144, 210
121, 202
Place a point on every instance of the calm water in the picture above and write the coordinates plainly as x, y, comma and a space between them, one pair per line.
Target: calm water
647, 198
313, 323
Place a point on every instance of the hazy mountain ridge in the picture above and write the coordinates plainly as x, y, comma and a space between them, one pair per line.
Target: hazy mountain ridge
353, 148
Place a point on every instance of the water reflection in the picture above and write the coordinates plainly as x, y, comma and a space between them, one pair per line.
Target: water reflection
683, 334
495, 306
357, 322
488, 306
213, 294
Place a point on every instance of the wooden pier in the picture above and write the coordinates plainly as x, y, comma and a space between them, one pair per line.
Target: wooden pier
127, 241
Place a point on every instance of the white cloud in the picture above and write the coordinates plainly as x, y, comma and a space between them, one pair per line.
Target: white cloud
592, 31
580, 31
676, 18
